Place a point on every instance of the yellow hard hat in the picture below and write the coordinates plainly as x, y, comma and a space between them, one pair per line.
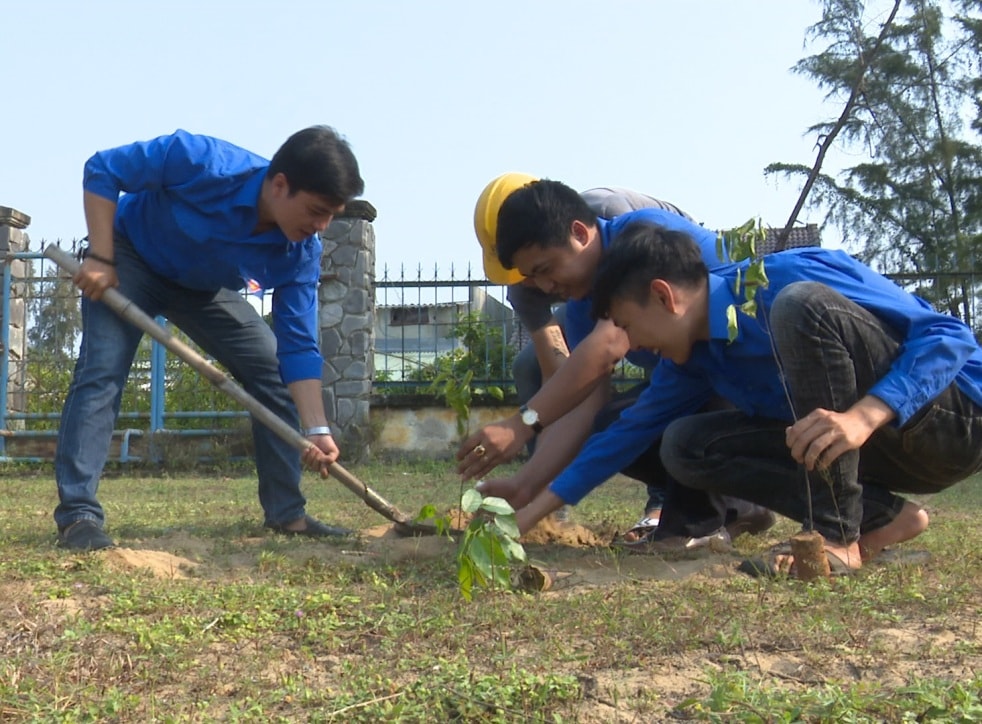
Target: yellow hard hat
486, 223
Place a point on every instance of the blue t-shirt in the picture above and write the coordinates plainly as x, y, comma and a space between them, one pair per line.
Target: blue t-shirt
190, 207
579, 322
937, 350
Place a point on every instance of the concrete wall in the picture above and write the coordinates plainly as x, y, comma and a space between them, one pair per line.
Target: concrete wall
426, 432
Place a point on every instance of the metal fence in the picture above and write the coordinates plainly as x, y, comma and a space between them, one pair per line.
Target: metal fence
424, 327
163, 395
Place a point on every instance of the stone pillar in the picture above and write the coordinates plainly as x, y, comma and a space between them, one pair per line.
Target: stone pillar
13, 239
347, 323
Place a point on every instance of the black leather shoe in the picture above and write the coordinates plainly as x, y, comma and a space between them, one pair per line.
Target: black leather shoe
313, 529
84, 535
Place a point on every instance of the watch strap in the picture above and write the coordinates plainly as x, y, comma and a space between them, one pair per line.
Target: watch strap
536, 426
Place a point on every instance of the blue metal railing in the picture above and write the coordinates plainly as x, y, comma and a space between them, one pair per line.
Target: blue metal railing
4, 356
404, 345
155, 420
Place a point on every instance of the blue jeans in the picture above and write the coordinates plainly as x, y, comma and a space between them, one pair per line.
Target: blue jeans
832, 352
226, 327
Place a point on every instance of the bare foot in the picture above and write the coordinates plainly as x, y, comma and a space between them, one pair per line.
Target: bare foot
911, 521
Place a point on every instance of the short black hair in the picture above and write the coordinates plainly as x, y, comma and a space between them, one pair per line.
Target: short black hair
538, 214
640, 253
318, 160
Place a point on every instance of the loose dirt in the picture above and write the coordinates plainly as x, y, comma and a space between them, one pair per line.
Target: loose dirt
159, 564
571, 554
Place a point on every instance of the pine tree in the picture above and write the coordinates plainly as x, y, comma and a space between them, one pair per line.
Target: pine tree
55, 319
913, 206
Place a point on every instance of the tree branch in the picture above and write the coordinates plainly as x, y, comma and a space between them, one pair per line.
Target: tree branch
826, 142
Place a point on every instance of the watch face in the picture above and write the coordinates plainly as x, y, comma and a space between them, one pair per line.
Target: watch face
530, 417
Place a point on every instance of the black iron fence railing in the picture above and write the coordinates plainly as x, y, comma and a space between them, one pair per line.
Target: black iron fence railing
424, 328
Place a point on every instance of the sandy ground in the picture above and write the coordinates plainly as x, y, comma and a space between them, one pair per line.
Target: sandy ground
567, 553
570, 558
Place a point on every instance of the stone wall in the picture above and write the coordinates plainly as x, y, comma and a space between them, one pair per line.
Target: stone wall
347, 319
14, 239
347, 323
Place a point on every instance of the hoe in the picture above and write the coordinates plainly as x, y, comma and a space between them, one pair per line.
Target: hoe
126, 309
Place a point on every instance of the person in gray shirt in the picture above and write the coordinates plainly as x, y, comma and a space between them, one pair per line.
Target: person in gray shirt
542, 316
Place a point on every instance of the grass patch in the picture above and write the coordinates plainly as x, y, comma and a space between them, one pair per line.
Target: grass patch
268, 628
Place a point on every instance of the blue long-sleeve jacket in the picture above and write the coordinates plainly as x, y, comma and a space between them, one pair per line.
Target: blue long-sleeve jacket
937, 350
189, 205
579, 322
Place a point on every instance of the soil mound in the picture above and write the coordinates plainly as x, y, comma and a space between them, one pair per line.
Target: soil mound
550, 531
159, 563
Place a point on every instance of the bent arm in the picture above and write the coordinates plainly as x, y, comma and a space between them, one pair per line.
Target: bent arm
556, 448
589, 363
95, 276
100, 213
307, 396
560, 443
550, 347
587, 367
544, 503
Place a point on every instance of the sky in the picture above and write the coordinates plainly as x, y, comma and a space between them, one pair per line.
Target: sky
687, 101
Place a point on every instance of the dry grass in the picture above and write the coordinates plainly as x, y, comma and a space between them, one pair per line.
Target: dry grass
207, 618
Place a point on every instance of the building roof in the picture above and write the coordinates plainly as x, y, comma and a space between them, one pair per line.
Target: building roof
807, 235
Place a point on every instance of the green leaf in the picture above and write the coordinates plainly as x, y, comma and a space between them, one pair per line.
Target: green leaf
465, 578
471, 501
500, 564
465, 542
731, 322
514, 550
749, 308
496, 505
440, 522
479, 553
756, 275
507, 525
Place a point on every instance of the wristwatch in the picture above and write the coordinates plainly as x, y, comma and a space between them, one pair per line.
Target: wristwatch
531, 418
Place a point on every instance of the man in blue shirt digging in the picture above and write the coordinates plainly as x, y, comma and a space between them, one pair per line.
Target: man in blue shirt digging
198, 218
880, 394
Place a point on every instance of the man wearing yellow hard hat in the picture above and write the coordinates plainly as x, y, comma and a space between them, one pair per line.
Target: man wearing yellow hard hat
534, 308
567, 237
542, 315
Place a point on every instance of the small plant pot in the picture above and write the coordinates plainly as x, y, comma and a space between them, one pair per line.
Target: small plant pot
810, 560
533, 579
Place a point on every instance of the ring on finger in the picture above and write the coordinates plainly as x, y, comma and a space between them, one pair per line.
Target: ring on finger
480, 451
